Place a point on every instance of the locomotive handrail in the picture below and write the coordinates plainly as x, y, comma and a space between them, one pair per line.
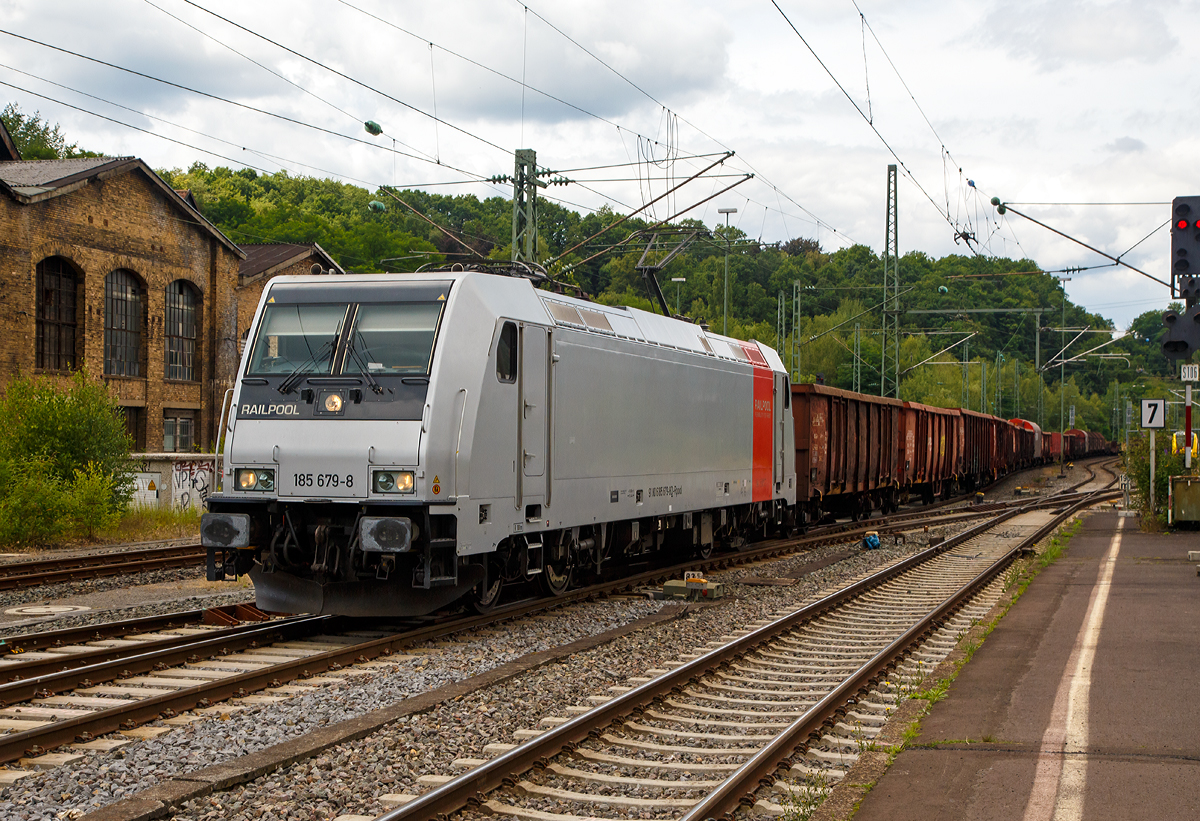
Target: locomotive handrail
462, 415
220, 451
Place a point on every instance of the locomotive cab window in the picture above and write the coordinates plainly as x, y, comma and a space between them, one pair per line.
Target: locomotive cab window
393, 338
297, 339
506, 354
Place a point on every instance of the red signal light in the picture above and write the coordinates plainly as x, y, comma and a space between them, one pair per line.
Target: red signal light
1197, 224
1182, 225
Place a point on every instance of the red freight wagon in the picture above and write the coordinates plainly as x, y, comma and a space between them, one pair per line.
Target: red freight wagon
849, 451
1029, 442
934, 443
1075, 442
983, 438
1056, 445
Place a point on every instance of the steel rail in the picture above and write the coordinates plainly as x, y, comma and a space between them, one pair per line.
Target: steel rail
13, 745
58, 675
39, 739
47, 571
28, 642
759, 770
468, 787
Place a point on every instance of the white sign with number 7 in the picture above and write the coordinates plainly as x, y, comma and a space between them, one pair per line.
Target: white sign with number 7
1154, 413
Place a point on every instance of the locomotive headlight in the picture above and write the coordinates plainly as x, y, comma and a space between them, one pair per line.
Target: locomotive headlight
333, 402
393, 481
259, 480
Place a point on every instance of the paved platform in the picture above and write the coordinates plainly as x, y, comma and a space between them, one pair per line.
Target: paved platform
1084, 703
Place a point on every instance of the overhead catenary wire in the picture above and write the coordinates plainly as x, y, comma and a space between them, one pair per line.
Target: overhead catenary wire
134, 127
871, 125
779, 194
230, 159
264, 67
227, 101
820, 223
221, 156
347, 77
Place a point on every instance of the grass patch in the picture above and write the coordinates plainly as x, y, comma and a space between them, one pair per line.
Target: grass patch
144, 523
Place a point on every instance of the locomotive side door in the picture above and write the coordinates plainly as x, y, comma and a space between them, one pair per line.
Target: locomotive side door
782, 406
532, 410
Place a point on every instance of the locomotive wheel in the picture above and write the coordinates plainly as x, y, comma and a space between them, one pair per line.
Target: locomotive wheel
558, 569
703, 551
487, 593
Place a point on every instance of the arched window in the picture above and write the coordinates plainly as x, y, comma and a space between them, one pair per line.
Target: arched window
123, 317
181, 330
56, 289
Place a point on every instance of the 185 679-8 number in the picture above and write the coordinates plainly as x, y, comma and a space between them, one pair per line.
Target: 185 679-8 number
323, 480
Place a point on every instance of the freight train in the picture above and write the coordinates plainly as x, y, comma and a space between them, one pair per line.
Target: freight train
400, 443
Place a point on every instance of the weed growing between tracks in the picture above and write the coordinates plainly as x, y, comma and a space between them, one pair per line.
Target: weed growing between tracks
803, 798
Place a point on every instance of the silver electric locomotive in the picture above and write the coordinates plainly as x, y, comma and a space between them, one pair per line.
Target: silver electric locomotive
399, 443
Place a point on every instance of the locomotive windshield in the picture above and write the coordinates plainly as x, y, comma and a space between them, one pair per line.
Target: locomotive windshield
395, 338
391, 338
297, 339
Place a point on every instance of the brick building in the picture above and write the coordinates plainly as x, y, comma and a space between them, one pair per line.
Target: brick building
104, 266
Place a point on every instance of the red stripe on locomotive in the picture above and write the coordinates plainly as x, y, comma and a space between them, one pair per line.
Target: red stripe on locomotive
764, 428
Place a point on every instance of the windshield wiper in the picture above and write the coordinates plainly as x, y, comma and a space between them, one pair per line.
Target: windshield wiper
287, 384
375, 386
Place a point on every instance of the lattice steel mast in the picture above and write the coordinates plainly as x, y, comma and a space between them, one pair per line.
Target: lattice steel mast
889, 383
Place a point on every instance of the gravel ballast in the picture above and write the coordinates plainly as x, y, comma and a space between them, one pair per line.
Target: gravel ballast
350, 777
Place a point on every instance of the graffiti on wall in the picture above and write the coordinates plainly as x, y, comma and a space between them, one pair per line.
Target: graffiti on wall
190, 482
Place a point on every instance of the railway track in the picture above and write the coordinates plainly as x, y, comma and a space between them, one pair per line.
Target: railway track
16, 575
797, 694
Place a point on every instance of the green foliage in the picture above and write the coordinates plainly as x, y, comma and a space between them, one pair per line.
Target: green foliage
37, 139
66, 429
33, 503
93, 503
64, 460
1166, 464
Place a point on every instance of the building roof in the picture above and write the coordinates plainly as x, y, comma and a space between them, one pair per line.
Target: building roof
266, 259
31, 181
34, 176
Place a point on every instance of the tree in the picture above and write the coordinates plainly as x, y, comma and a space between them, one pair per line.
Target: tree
64, 459
36, 139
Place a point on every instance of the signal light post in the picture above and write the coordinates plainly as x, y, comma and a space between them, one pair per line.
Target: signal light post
1183, 331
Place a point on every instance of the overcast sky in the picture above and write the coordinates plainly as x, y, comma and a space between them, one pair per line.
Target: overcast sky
1083, 110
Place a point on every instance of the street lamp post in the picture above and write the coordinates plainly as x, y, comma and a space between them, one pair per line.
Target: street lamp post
725, 314
678, 284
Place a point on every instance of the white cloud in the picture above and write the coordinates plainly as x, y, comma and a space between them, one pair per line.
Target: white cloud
1055, 33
